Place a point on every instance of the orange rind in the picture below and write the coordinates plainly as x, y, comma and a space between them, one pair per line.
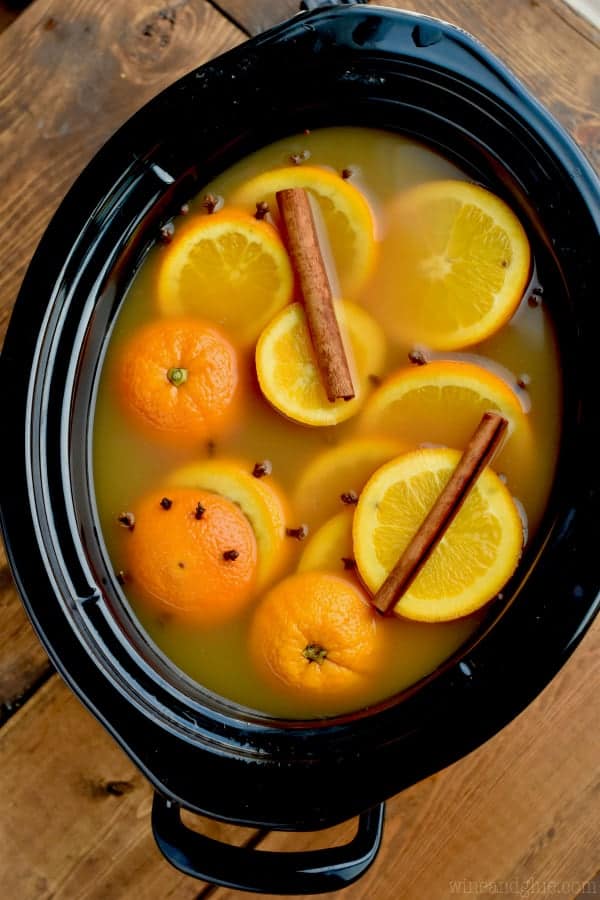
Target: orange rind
228, 268
260, 499
192, 556
287, 370
346, 216
469, 565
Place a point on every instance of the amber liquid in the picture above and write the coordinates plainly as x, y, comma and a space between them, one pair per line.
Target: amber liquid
126, 464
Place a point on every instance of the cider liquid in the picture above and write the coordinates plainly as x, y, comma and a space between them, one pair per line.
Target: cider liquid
126, 464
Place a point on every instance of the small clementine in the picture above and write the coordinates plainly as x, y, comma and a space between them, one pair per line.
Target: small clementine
191, 554
315, 635
178, 379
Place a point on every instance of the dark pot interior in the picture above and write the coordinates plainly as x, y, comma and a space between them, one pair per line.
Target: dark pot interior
355, 66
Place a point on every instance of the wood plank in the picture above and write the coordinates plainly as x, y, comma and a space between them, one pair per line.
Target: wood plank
258, 15
70, 74
75, 819
24, 662
552, 49
523, 808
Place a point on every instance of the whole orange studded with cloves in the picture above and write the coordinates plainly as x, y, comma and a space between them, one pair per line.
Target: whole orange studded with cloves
191, 555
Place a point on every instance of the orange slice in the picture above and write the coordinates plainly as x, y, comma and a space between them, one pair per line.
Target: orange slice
228, 268
442, 403
287, 370
260, 499
347, 217
330, 547
473, 560
454, 265
340, 470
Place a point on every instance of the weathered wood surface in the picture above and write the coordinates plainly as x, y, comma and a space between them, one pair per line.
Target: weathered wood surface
70, 74
23, 662
524, 807
74, 814
6, 16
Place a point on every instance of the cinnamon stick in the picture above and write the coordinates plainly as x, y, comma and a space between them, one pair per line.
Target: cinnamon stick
303, 246
478, 453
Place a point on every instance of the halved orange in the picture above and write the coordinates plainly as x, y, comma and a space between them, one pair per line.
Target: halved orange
260, 499
340, 470
472, 561
442, 403
454, 264
347, 217
227, 268
287, 369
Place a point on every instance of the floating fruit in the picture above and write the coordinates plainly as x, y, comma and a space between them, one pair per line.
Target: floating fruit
178, 380
347, 217
192, 555
228, 268
455, 262
330, 547
260, 500
315, 634
472, 561
287, 371
340, 470
442, 402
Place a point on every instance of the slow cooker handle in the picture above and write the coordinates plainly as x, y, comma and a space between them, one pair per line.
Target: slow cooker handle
265, 871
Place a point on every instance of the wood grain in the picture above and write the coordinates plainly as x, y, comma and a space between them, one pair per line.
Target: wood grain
70, 74
523, 808
75, 821
553, 50
24, 663
75, 814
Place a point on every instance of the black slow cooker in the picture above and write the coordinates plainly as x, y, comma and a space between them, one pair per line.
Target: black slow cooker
351, 65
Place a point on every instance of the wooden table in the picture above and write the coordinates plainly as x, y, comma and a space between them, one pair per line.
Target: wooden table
518, 817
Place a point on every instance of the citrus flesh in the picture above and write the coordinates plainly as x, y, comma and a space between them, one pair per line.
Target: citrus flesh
340, 470
346, 214
330, 547
472, 561
260, 500
287, 370
228, 268
454, 265
442, 403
